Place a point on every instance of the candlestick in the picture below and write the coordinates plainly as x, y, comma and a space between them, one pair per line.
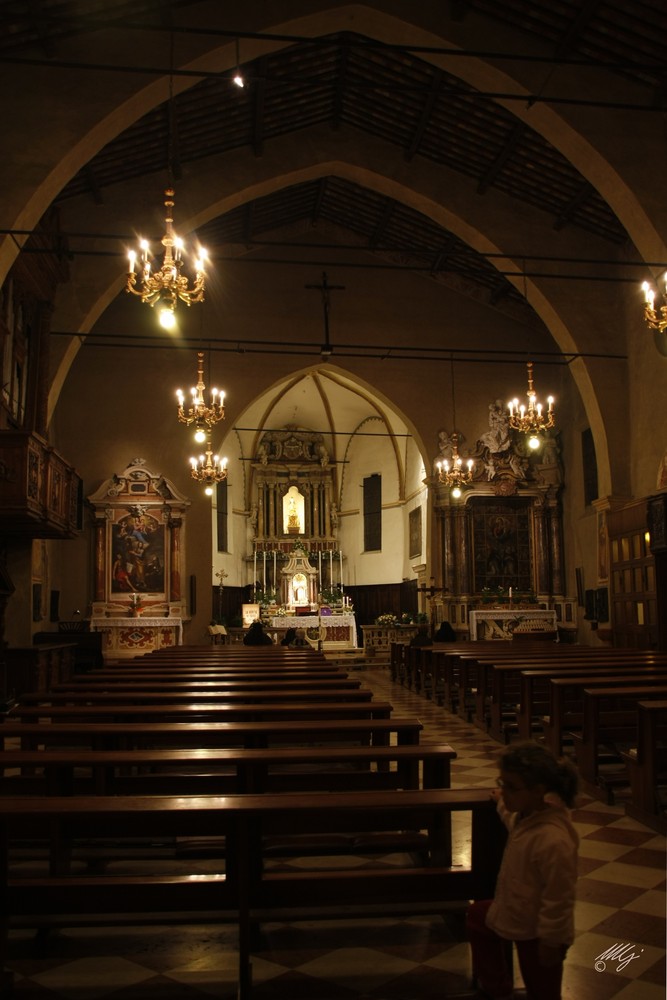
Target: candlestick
331, 569
341, 571
264, 577
275, 575
254, 577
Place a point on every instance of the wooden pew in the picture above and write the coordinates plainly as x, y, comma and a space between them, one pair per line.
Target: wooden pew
609, 716
202, 687
229, 772
497, 679
646, 764
201, 711
194, 735
249, 824
566, 702
535, 692
139, 696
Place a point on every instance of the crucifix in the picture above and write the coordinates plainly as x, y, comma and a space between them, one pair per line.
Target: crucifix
325, 288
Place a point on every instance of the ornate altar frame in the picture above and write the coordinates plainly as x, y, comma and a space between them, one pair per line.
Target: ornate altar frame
139, 561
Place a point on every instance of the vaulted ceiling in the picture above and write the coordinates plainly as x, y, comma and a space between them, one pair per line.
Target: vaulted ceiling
348, 81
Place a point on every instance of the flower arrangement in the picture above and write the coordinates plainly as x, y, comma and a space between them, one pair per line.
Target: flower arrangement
386, 620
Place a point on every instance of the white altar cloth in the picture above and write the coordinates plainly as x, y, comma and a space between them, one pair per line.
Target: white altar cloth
340, 630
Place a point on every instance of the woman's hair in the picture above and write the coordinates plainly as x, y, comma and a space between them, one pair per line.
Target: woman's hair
536, 765
288, 637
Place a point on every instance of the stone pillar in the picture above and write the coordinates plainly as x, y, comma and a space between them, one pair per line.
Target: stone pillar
272, 510
542, 574
100, 560
556, 549
261, 522
174, 560
462, 549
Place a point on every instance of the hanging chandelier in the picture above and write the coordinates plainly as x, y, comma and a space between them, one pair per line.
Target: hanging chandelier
531, 419
454, 475
200, 414
166, 285
655, 319
208, 469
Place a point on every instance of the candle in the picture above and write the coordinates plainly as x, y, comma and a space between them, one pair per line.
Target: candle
254, 576
319, 563
264, 576
275, 576
510, 593
331, 568
341, 570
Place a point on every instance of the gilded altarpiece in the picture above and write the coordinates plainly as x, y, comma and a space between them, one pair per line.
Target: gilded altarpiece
501, 541
138, 603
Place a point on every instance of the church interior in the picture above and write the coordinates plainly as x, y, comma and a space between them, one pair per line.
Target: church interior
347, 314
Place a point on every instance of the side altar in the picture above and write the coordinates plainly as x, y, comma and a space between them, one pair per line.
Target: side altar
125, 637
138, 603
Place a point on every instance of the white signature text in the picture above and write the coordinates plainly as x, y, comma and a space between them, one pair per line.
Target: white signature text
621, 953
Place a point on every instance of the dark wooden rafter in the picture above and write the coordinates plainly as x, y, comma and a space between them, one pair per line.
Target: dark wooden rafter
339, 90
425, 115
501, 159
93, 186
173, 142
382, 224
443, 253
566, 214
259, 95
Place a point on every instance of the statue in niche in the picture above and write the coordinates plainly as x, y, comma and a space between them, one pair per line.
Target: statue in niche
497, 438
503, 461
293, 525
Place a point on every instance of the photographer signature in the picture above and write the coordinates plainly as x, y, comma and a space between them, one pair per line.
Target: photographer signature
619, 953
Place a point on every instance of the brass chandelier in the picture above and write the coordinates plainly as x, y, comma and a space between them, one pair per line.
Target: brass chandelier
531, 419
455, 476
208, 469
656, 319
199, 413
166, 285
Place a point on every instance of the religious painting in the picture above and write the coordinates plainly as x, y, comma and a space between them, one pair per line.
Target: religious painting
502, 544
138, 554
415, 532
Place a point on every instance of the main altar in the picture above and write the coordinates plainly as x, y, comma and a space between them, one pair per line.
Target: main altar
504, 622
297, 559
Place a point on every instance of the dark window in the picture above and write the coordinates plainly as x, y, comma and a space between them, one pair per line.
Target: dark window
373, 513
221, 497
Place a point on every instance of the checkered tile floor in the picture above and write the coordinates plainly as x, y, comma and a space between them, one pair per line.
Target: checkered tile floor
621, 902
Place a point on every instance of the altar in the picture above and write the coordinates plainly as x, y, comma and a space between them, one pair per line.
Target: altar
126, 637
503, 623
339, 631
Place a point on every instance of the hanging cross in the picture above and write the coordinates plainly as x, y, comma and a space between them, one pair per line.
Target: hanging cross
325, 288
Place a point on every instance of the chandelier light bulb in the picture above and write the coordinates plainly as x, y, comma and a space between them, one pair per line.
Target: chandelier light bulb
167, 319
200, 435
